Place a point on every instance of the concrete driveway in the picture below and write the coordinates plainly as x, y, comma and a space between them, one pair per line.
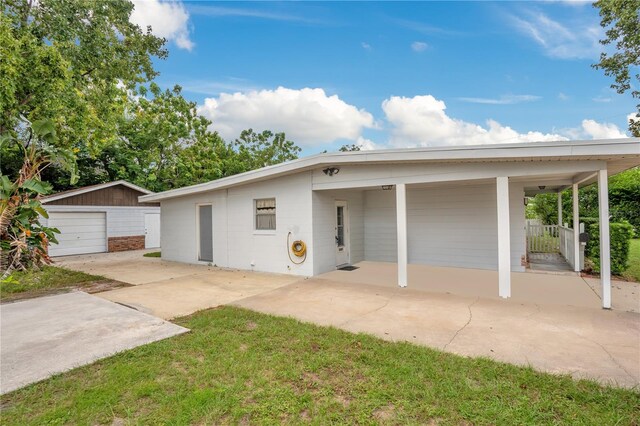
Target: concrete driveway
584, 342
170, 289
48, 335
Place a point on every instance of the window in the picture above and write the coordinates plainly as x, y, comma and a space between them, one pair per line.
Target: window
266, 214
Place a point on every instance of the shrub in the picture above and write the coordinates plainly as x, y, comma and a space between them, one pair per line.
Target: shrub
620, 236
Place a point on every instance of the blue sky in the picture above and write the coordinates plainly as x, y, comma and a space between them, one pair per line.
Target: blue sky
391, 74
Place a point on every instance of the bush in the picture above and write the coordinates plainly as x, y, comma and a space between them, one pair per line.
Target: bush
620, 236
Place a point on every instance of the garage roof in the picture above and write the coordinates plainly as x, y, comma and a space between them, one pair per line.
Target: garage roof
621, 154
91, 188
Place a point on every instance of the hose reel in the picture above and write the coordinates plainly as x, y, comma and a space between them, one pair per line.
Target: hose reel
298, 248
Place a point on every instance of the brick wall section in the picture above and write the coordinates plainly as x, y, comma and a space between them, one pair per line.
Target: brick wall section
133, 242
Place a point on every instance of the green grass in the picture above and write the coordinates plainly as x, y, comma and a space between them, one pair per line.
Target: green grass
633, 271
46, 279
238, 366
152, 254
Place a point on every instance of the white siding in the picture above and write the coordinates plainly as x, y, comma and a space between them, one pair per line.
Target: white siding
236, 243
452, 225
121, 221
324, 228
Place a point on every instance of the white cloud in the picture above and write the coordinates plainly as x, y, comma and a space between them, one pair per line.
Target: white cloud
367, 144
563, 97
594, 130
503, 100
574, 40
167, 19
366, 46
308, 116
419, 46
422, 121
601, 99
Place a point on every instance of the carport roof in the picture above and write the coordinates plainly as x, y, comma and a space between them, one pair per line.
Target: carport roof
620, 154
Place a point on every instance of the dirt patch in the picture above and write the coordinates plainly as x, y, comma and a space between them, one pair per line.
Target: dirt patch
88, 287
384, 413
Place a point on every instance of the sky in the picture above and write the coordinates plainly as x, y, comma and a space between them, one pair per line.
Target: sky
391, 74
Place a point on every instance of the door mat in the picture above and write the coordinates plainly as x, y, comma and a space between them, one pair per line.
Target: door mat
348, 268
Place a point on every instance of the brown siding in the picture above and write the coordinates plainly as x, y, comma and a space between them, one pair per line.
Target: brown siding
118, 195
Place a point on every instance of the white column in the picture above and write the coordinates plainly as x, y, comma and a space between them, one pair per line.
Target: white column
605, 255
559, 208
576, 229
504, 237
401, 214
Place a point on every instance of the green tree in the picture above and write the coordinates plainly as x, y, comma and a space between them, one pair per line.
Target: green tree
255, 150
621, 19
70, 62
23, 239
350, 148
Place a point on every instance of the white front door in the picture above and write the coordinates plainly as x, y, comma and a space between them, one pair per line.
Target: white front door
151, 230
342, 233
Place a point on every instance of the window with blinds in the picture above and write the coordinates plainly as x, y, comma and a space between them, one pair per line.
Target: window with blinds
266, 214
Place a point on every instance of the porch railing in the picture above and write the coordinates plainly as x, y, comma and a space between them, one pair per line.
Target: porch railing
567, 247
543, 238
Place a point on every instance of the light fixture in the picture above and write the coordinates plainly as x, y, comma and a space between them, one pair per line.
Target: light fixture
542, 187
387, 187
330, 171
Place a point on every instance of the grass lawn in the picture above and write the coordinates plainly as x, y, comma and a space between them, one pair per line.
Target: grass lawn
152, 254
238, 366
633, 272
46, 280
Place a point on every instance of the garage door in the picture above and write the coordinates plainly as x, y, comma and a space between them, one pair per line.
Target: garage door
80, 233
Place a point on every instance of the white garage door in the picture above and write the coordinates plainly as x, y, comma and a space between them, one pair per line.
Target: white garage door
80, 233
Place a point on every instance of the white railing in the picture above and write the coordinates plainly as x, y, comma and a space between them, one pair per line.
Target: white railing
543, 239
567, 247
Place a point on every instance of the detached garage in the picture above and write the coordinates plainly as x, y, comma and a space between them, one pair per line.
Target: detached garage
102, 218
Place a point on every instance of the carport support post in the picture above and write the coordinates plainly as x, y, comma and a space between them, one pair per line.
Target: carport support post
576, 229
605, 255
559, 209
504, 237
401, 214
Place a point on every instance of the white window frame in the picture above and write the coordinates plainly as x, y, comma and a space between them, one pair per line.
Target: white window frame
258, 231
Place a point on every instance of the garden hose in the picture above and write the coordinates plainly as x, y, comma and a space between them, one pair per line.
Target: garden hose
299, 249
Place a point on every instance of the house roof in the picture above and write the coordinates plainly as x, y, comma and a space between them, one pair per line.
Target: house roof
603, 149
91, 188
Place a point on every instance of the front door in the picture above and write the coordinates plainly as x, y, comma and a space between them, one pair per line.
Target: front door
151, 230
342, 233
205, 231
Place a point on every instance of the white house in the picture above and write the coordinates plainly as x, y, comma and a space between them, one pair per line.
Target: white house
101, 218
455, 206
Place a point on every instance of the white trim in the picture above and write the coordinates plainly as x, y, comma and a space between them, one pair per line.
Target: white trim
401, 215
72, 193
606, 149
605, 246
504, 237
576, 228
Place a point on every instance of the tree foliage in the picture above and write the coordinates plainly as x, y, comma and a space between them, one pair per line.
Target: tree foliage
621, 19
70, 62
23, 239
624, 201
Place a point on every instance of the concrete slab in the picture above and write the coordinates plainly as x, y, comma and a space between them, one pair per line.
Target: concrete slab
625, 295
581, 341
49, 335
129, 267
526, 287
203, 289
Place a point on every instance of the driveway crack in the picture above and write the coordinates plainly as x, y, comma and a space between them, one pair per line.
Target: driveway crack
464, 326
384, 305
611, 357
